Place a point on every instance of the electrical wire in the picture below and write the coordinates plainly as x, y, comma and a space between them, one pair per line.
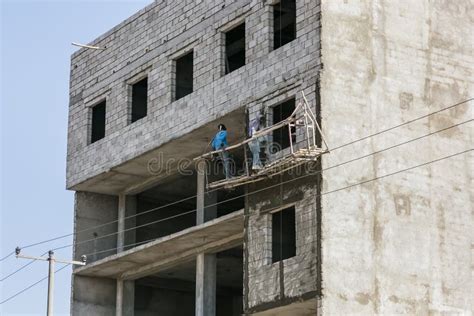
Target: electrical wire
21, 268
325, 193
7, 256
279, 184
271, 186
402, 124
266, 188
125, 230
32, 285
194, 196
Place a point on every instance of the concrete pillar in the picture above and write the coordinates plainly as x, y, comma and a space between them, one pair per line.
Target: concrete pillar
206, 285
125, 298
122, 208
127, 207
125, 289
205, 263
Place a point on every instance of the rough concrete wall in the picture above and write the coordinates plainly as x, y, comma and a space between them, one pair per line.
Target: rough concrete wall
166, 227
92, 210
153, 301
93, 296
147, 44
402, 244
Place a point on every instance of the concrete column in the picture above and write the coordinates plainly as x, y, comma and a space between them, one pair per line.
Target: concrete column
205, 263
127, 207
206, 285
125, 289
122, 208
125, 302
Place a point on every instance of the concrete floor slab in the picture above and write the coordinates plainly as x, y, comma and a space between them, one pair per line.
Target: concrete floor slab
148, 169
213, 236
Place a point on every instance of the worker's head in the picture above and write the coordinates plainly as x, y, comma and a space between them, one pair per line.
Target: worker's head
221, 127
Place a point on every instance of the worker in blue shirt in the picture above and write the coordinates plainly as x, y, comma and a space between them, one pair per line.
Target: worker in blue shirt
220, 142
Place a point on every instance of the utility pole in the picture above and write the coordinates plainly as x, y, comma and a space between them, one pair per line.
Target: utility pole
52, 260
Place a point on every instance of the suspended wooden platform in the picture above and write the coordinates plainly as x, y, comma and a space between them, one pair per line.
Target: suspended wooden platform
307, 150
276, 167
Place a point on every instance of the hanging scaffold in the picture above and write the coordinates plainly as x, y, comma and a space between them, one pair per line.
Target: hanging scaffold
302, 149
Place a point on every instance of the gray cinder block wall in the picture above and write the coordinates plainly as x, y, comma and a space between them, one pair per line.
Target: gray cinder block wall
268, 285
147, 43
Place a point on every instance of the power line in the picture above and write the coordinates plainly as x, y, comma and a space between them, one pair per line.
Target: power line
21, 268
269, 187
193, 196
254, 192
7, 256
128, 229
402, 124
46, 241
324, 193
328, 192
32, 285
266, 188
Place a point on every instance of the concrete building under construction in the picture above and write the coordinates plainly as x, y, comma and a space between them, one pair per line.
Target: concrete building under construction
364, 201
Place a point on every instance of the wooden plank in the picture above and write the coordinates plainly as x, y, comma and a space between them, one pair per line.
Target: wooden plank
276, 167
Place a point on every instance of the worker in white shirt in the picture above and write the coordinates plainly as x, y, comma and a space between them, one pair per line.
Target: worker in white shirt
254, 144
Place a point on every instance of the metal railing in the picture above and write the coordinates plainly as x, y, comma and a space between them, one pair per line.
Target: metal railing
301, 120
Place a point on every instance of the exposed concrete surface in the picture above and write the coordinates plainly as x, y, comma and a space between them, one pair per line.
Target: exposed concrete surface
205, 284
401, 245
206, 266
94, 210
212, 236
306, 308
93, 296
152, 301
125, 298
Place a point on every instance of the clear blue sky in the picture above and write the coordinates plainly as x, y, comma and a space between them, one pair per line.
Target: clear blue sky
35, 57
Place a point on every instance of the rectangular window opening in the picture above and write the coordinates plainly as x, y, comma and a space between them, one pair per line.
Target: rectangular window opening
283, 234
235, 48
139, 99
284, 22
281, 136
98, 122
184, 75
